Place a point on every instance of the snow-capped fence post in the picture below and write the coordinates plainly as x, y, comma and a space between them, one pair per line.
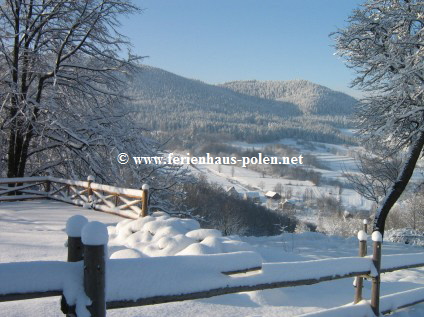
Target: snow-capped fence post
90, 179
94, 238
365, 223
74, 227
144, 200
359, 281
376, 258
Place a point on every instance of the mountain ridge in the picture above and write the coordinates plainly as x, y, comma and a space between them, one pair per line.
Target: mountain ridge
250, 111
162, 85
313, 99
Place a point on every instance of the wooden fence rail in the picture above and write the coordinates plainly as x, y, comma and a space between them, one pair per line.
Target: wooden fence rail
125, 202
53, 278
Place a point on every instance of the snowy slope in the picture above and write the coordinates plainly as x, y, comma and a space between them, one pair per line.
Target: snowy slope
35, 231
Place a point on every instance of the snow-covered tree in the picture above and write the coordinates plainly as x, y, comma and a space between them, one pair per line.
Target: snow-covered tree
415, 206
61, 78
384, 44
376, 174
408, 213
64, 106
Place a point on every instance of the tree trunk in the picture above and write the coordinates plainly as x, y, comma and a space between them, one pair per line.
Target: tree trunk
19, 142
15, 159
399, 186
15, 137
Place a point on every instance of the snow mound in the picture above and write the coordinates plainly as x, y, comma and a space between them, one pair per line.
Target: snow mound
201, 234
127, 254
162, 235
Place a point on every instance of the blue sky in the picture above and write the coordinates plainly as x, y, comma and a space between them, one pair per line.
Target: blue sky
223, 40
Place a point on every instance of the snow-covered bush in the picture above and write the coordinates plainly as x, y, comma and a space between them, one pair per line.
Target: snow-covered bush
162, 235
302, 227
339, 226
408, 213
405, 235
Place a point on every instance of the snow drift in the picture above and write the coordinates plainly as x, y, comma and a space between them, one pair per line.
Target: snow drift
162, 235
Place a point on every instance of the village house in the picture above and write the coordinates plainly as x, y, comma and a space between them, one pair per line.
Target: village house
253, 196
272, 195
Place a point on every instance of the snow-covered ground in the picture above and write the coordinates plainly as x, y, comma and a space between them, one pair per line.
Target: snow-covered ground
34, 231
336, 158
333, 159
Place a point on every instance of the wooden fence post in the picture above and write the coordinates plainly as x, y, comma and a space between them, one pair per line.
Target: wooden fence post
115, 200
144, 200
365, 222
359, 281
90, 179
68, 190
376, 258
48, 186
74, 227
94, 238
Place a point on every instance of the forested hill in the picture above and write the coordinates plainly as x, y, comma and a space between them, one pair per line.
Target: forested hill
193, 110
157, 86
309, 97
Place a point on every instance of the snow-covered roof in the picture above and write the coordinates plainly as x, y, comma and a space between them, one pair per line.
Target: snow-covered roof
231, 190
291, 201
252, 194
271, 194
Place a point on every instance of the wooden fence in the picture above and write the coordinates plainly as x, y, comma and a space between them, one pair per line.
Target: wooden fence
48, 278
130, 203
